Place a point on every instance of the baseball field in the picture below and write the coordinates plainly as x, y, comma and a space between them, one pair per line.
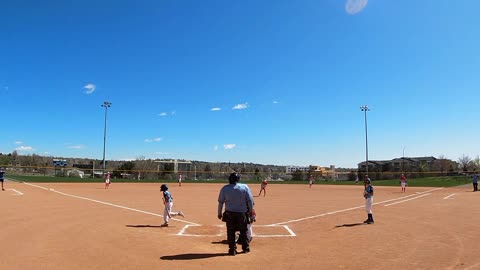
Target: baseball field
85, 226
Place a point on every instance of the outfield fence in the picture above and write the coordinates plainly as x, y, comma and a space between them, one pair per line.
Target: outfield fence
139, 174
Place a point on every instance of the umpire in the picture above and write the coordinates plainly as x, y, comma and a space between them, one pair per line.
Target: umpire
239, 203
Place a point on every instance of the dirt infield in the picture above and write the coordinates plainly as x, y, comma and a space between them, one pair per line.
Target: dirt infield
84, 226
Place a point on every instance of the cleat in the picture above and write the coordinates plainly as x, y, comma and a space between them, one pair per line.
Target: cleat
232, 252
246, 250
180, 213
164, 225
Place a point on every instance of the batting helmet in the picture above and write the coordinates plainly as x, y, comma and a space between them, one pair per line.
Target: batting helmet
164, 187
233, 178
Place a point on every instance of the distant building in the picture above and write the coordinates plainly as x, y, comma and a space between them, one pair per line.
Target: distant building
325, 172
316, 170
292, 169
402, 164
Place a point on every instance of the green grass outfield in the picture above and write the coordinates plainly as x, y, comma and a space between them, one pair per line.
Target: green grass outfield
445, 181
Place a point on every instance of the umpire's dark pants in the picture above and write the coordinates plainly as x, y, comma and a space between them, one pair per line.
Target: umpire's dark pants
236, 222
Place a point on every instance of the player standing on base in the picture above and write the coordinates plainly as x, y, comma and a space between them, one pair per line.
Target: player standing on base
403, 182
368, 195
168, 203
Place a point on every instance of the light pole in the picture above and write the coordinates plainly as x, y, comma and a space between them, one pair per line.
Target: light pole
365, 109
106, 105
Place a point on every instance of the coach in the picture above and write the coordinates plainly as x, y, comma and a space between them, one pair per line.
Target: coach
239, 203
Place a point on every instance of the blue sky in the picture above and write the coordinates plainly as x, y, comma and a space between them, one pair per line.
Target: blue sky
273, 82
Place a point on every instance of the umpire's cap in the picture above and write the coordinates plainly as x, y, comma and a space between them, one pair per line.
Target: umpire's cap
233, 178
163, 187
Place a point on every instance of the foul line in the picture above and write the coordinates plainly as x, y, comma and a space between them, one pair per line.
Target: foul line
106, 203
448, 197
408, 199
18, 192
352, 208
472, 267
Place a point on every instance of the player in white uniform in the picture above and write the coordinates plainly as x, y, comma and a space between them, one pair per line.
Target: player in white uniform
403, 182
107, 180
263, 187
368, 195
168, 203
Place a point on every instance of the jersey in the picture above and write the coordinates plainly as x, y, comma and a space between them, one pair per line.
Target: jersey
236, 197
107, 177
474, 178
368, 192
1, 174
264, 184
167, 196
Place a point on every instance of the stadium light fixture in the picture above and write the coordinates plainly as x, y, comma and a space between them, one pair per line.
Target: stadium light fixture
365, 109
106, 105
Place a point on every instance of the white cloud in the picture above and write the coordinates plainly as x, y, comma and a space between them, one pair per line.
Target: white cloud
76, 147
90, 88
172, 113
355, 6
240, 106
229, 146
18, 142
215, 109
153, 140
275, 102
24, 148
161, 153
215, 148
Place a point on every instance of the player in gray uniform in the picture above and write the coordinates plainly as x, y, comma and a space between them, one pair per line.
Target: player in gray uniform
475, 181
